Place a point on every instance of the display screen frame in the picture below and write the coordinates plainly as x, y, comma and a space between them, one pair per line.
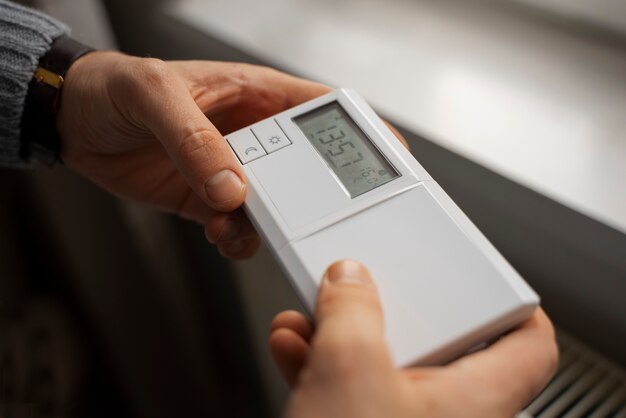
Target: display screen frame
369, 146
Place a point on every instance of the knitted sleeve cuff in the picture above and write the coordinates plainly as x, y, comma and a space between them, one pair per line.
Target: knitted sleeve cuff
25, 36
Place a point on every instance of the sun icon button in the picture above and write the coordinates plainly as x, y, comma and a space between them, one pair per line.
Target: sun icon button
271, 137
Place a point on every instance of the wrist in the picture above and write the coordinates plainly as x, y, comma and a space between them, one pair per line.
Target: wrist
82, 108
39, 136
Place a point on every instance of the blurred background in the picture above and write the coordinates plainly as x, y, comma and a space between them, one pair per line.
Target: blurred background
516, 107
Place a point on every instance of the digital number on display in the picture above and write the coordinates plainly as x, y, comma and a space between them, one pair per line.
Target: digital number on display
356, 162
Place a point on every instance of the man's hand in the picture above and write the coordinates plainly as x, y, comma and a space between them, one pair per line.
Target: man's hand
343, 368
151, 131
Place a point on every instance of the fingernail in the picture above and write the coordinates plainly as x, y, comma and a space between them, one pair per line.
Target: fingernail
348, 271
230, 229
224, 187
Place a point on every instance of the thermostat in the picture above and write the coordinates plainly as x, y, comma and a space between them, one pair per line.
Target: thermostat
327, 180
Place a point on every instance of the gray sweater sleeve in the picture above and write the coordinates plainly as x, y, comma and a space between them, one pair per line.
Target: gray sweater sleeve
25, 36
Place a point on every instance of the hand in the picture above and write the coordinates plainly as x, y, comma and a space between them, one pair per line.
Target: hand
150, 131
343, 367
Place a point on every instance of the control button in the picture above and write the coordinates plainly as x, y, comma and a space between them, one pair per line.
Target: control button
270, 136
246, 146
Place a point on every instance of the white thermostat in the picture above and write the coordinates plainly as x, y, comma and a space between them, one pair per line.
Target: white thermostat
327, 180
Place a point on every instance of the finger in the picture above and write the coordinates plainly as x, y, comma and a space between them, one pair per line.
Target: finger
349, 319
294, 321
239, 250
294, 90
263, 93
191, 207
397, 134
289, 351
519, 365
347, 294
234, 226
290, 333
165, 106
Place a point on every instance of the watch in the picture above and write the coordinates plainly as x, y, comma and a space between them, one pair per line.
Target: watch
39, 137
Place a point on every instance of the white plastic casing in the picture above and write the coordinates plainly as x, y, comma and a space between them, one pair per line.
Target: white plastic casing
444, 288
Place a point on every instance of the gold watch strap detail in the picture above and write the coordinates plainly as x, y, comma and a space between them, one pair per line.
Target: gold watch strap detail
48, 77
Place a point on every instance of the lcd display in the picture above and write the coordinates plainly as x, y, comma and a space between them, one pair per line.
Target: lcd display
356, 162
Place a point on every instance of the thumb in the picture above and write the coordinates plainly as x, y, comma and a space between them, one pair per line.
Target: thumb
349, 315
196, 147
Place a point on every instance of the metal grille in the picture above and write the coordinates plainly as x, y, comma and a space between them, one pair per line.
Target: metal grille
585, 385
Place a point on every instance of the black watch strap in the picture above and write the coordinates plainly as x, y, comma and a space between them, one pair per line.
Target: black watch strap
38, 127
